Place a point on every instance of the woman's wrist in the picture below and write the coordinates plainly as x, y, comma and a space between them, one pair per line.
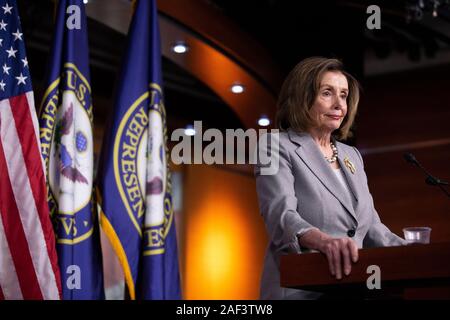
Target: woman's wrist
313, 239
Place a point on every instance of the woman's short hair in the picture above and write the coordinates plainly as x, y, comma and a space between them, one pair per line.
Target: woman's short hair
300, 90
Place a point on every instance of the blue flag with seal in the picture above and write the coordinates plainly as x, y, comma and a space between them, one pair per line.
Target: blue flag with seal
134, 183
66, 121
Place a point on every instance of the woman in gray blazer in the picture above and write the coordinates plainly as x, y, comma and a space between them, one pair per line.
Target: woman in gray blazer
319, 198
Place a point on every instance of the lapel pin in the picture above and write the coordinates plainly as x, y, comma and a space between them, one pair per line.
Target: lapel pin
349, 165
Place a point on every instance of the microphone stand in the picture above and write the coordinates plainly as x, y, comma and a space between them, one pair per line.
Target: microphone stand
433, 181
430, 180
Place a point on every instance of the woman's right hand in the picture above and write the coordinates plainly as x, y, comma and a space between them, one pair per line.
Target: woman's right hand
340, 252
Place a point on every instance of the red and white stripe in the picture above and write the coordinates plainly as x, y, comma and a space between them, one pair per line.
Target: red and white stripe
28, 259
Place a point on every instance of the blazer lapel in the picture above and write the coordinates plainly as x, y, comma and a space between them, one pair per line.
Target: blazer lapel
347, 171
313, 158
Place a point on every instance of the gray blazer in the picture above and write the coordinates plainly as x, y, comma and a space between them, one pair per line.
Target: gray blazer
306, 194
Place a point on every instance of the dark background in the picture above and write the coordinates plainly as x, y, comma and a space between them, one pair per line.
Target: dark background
404, 70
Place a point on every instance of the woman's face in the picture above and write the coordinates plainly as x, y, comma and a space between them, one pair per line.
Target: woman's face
330, 105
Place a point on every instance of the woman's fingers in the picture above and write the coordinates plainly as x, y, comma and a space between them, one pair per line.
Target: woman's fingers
329, 255
340, 254
337, 259
345, 252
353, 251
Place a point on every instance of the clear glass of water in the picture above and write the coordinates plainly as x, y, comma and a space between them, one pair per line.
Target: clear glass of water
417, 235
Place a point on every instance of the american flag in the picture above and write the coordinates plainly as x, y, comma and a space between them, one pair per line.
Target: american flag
28, 259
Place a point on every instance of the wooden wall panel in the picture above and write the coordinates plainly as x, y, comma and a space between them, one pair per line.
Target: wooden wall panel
408, 112
223, 235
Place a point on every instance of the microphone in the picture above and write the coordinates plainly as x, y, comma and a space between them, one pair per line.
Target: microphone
430, 180
433, 181
411, 159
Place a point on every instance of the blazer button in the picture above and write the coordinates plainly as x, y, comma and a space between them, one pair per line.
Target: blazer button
351, 233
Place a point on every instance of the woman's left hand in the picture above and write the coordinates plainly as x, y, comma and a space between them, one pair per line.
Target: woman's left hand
340, 252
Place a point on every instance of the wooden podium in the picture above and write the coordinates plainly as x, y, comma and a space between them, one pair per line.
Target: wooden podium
408, 272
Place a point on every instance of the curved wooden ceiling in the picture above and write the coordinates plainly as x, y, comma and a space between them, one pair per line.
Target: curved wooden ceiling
219, 53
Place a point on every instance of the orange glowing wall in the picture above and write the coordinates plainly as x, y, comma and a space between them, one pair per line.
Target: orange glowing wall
223, 238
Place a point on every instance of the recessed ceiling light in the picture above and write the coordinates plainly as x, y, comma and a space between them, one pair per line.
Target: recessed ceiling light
237, 88
85, 1
189, 130
263, 121
180, 47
